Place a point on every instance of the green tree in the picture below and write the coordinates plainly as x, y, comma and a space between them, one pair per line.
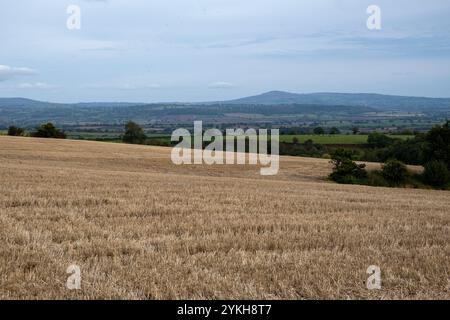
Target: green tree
335, 130
15, 131
379, 140
394, 171
436, 174
133, 133
410, 151
355, 130
48, 130
319, 130
438, 147
309, 144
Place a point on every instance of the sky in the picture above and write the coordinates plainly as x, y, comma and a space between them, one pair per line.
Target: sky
210, 50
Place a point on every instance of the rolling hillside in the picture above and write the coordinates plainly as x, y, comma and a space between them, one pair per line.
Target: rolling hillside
140, 227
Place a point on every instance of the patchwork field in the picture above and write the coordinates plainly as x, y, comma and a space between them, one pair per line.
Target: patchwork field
140, 227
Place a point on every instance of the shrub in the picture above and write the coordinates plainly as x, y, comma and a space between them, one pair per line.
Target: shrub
436, 174
376, 179
394, 171
345, 170
15, 131
48, 130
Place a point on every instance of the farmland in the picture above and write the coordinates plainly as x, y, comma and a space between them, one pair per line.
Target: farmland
334, 138
329, 139
140, 227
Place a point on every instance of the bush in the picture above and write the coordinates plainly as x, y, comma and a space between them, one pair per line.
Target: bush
48, 130
376, 179
394, 171
15, 131
436, 174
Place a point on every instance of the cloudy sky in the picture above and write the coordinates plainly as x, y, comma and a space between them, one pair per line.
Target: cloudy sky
199, 50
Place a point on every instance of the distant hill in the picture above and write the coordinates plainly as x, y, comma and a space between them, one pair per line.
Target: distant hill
23, 102
272, 107
370, 100
377, 101
29, 103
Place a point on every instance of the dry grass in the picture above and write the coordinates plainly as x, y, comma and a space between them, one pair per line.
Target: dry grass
141, 227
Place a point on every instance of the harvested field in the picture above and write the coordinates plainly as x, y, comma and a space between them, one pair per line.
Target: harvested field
141, 227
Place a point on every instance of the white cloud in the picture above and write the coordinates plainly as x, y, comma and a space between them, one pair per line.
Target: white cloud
7, 72
37, 85
221, 85
124, 86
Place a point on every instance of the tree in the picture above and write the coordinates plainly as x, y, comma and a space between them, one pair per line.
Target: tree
379, 140
319, 130
308, 144
394, 171
295, 140
410, 151
48, 130
344, 169
133, 133
15, 131
355, 130
438, 139
436, 174
335, 130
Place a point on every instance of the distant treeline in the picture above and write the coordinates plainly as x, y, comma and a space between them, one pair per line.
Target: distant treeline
24, 115
47, 130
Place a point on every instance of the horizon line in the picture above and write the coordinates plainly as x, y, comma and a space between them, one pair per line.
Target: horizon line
233, 99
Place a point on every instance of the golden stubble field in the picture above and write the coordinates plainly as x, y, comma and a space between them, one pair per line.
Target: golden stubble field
140, 227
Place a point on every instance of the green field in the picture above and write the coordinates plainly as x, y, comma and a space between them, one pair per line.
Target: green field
335, 138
